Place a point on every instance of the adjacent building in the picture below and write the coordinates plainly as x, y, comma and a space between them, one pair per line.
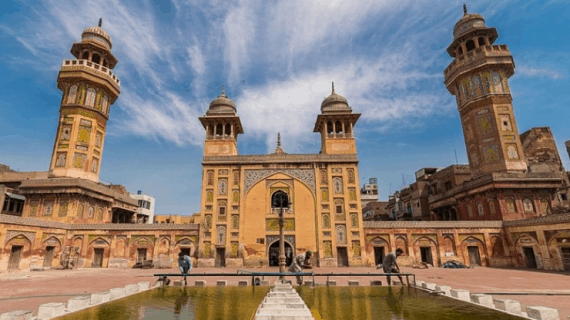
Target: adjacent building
145, 211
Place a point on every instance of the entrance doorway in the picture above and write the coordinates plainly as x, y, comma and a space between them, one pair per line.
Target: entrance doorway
141, 255
378, 255
274, 254
425, 253
565, 253
220, 257
474, 257
48, 258
342, 257
185, 251
529, 257
97, 258
15, 256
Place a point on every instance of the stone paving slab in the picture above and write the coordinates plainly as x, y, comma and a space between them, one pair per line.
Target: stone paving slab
28, 290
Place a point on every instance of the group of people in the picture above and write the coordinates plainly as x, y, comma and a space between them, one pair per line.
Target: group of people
303, 261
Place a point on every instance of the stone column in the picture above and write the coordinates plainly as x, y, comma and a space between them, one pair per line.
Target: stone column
544, 253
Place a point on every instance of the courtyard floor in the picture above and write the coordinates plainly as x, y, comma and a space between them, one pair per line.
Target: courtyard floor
28, 290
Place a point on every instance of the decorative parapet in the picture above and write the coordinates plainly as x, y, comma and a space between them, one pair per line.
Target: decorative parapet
77, 182
279, 158
8, 219
432, 224
549, 219
71, 64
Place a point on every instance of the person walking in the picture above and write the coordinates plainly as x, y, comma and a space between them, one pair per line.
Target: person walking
185, 264
390, 265
301, 261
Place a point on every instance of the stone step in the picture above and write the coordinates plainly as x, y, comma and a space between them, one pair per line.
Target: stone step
269, 305
283, 300
282, 294
287, 312
283, 317
282, 290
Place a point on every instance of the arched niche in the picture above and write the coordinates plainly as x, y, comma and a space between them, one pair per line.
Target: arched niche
426, 250
18, 249
472, 247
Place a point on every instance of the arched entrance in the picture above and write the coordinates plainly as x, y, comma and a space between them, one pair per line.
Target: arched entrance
274, 254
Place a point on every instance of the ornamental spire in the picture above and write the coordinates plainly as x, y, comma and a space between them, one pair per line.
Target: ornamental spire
279, 149
100, 22
223, 91
464, 9
333, 88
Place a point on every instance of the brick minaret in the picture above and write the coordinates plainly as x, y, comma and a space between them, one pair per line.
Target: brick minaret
89, 89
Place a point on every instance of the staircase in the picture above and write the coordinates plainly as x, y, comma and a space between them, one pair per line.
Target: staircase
283, 303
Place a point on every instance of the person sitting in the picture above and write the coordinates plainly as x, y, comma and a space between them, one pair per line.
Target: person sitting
185, 264
390, 265
301, 261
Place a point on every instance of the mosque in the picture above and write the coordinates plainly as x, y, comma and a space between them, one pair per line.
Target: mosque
66, 217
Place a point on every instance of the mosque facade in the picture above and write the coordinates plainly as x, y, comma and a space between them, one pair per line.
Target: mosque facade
65, 217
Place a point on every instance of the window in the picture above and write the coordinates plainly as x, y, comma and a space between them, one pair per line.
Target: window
448, 186
337, 185
470, 44
528, 206
481, 41
564, 196
339, 206
480, 209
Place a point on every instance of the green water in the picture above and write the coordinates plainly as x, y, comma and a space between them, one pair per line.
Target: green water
380, 303
180, 303
325, 303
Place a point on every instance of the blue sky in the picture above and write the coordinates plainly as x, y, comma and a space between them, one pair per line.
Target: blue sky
277, 60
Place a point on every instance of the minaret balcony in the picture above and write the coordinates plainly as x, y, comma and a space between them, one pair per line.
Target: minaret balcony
483, 55
339, 135
91, 67
219, 137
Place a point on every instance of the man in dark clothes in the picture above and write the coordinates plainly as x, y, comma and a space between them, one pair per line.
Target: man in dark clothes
390, 265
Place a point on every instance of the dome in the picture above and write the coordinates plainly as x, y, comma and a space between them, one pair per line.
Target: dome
334, 102
97, 34
468, 22
222, 104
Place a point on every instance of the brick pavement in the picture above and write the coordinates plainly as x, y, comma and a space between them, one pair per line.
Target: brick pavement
27, 290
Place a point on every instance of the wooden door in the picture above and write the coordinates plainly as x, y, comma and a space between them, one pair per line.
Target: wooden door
15, 256
48, 258
97, 258
141, 255
565, 253
529, 257
220, 257
342, 257
378, 255
474, 257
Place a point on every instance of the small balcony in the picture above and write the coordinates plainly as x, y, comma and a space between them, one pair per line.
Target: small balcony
99, 69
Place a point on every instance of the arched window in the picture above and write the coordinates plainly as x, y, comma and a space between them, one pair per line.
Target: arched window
72, 94
470, 210
228, 129
85, 55
210, 178
222, 187
337, 185
481, 41
492, 208
96, 58
341, 234
279, 199
511, 207
90, 100
324, 179
329, 127
459, 50
545, 204
480, 209
350, 175
326, 221
470, 44
338, 127
219, 129
221, 231
528, 206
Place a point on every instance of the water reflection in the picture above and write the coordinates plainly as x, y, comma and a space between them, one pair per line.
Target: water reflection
387, 303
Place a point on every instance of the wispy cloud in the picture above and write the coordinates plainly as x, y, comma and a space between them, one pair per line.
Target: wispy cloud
278, 60
532, 72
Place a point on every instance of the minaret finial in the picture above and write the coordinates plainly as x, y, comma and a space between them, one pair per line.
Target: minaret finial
223, 90
278, 139
333, 88
100, 22
464, 9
